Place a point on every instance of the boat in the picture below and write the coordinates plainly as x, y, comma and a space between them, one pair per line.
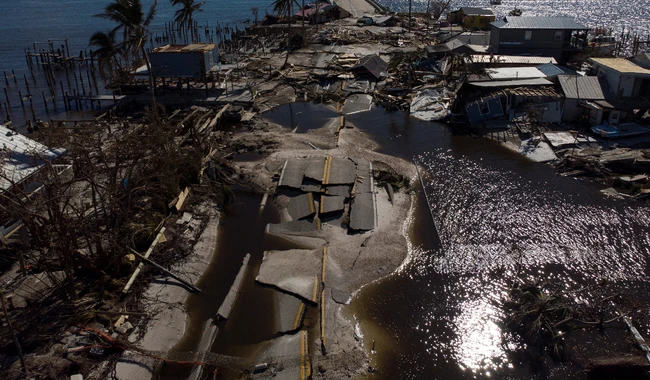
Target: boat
495, 2
602, 43
624, 130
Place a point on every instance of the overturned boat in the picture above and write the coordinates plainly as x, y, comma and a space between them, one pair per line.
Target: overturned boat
623, 130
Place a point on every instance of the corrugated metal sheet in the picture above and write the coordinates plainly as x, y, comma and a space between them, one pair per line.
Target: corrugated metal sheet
551, 70
643, 60
22, 156
511, 59
474, 38
581, 87
507, 73
513, 83
564, 23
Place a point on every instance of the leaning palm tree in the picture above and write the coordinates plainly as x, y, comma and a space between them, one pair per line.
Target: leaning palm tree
285, 7
108, 55
184, 16
134, 23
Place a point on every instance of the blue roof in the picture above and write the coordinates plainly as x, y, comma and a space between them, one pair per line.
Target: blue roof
551, 70
538, 23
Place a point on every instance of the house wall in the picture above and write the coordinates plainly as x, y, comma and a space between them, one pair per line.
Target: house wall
623, 85
542, 42
456, 17
552, 112
193, 64
479, 22
572, 110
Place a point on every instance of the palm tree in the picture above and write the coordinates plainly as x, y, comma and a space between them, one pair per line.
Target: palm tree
184, 16
107, 53
285, 7
133, 22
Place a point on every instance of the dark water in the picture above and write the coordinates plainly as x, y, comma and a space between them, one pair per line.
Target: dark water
440, 315
301, 116
241, 231
24, 22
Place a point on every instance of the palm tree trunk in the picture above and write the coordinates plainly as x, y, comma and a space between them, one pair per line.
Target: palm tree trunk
152, 83
302, 17
286, 59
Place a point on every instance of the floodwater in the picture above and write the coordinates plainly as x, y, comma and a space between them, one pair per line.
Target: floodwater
241, 231
495, 212
439, 316
301, 116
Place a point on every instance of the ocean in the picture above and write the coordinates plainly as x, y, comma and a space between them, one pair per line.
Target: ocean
23, 22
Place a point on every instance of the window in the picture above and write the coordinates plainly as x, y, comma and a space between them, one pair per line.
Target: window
558, 35
528, 35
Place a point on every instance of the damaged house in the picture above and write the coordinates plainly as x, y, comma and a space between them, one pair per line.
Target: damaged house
321, 12
516, 103
23, 171
557, 37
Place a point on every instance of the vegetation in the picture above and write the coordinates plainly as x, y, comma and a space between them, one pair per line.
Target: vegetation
133, 24
285, 7
184, 16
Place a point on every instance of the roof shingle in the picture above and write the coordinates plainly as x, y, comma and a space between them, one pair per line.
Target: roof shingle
566, 23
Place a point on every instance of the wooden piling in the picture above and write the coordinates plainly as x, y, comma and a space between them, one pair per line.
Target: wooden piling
47, 110
22, 101
29, 93
31, 106
7, 97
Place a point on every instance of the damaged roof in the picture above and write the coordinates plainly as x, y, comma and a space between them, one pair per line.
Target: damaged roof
21, 157
373, 64
565, 23
581, 87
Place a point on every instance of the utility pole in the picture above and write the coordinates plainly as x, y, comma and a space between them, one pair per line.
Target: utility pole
410, 3
13, 333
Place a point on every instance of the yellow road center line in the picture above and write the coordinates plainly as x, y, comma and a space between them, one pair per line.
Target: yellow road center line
310, 197
296, 321
313, 294
322, 318
322, 275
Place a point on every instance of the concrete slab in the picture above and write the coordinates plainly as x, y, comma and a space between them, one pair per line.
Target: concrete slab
342, 190
362, 212
314, 169
331, 203
537, 151
328, 310
289, 355
342, 171
363, 182
296, 271
357, 103
303, 225
292, 174
558, 139
290, 311
231, 297
301, 206
310, 187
